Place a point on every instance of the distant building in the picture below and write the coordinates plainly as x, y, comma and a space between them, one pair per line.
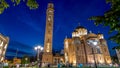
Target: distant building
16, 61
3, 46
78, 50
58, 58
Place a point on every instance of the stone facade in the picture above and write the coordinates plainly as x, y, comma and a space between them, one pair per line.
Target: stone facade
3, 46
79, 50
58, 58
47, 53
48, 57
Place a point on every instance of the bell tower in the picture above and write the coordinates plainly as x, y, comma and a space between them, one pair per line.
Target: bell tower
47, 54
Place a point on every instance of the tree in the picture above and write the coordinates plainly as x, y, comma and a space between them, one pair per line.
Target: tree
114, 59
111, 18
32, 4
25, 59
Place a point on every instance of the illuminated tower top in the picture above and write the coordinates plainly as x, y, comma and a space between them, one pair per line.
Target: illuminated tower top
50, 5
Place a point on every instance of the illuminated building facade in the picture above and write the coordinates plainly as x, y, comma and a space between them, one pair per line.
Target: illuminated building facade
58, 58
47, 53
3, 46
78, 50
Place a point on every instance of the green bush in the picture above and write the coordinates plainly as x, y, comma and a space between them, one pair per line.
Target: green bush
5, 67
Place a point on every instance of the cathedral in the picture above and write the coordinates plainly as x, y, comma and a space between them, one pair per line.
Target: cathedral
86, 48
83, 47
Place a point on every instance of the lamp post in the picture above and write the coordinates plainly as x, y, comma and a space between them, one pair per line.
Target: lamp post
39, 49
93, 42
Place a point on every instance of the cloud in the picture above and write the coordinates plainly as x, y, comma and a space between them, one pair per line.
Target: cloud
22, 49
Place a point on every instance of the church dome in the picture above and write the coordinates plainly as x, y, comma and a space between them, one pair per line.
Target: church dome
100, 36
79, 31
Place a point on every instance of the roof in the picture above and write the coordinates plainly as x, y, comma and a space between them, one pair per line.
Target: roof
99, 33
92, 35
79, 27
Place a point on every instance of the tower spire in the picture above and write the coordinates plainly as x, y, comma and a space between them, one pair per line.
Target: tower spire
50, 5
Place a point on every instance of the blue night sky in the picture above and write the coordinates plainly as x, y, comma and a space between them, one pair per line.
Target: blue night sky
26, 28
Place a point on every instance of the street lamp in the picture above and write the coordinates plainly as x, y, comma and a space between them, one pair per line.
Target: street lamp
38, 48
93, 42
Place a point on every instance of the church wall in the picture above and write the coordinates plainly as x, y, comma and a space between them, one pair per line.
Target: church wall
83, 52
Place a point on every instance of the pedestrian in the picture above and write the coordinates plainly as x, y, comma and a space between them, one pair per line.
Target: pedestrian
58, 65
67, 65
48, 65
17, 65
80, 65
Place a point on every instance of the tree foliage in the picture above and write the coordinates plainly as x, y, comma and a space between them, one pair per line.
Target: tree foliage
114, 59
3, 5
32, 4
111, 18
25, 59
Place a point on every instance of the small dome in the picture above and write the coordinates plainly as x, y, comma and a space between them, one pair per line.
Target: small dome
92, 35
100, 36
